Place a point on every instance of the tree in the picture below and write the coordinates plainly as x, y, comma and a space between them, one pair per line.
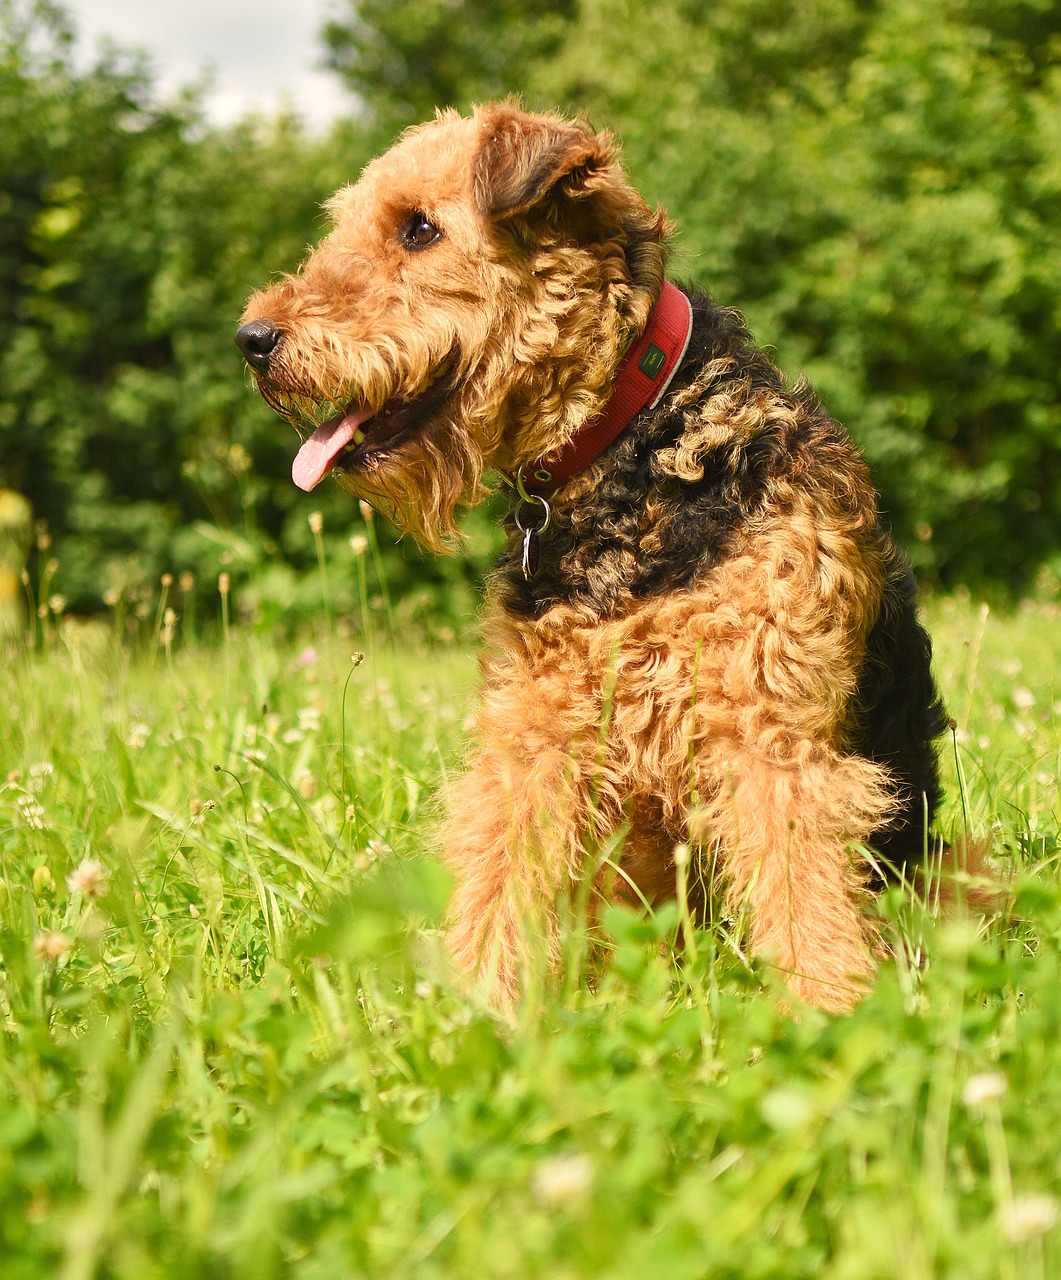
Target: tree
875, 182
404, 58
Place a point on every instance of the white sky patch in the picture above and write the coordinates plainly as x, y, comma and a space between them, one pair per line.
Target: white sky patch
260, 54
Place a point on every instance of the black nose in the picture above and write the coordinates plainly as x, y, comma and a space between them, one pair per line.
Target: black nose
258, 340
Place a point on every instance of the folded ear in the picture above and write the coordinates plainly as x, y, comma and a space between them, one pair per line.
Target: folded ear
524, 159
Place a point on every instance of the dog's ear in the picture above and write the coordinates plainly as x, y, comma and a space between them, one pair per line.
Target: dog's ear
524, 159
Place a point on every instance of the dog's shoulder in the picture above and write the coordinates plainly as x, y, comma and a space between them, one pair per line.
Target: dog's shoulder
684, 483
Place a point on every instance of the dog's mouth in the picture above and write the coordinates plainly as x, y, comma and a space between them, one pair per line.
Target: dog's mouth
358, 433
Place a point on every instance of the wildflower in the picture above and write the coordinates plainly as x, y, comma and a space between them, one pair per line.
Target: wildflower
367, 513
359, 544
316, 522
560, 1179
1023, 698
1028, 1216
307, 786
87, 878
309, 719
187, 582
57, 603
51, 945
39, 774
111, 597
138, 735
307, 657
167, 581
988, 1086
31, 813
224, 582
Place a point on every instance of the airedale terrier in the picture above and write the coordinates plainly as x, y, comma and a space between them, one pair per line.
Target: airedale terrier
701, 640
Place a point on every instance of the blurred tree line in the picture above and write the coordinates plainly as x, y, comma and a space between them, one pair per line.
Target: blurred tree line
876, 183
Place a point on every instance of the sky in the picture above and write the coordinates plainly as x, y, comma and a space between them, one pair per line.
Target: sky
261, 52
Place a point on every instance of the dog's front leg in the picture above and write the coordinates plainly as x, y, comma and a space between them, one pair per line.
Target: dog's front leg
785, 830
517, 829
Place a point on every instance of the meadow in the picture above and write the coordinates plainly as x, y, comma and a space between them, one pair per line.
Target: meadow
231, 1046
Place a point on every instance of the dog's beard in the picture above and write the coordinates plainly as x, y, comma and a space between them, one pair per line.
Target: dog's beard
416, 480
420, 483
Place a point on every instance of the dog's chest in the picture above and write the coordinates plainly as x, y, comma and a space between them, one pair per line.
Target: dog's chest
636, 534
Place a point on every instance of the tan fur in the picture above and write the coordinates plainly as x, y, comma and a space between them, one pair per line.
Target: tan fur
542, 330
726, 720
717, 715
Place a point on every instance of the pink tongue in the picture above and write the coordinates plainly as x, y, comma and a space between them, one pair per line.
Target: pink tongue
317, 455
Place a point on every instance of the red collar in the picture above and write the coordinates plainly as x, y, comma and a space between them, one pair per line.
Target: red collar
642, 378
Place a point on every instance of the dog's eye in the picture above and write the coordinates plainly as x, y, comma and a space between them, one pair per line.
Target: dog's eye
420, 232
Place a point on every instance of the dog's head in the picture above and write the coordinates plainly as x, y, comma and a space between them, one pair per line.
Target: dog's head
467, 309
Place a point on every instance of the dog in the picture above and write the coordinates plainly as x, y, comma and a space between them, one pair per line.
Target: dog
703, 661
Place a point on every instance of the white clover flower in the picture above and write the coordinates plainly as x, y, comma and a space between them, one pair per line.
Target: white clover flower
561, 1179
31, 813
987, 1086
1028, 1216
1023, 698
309, 719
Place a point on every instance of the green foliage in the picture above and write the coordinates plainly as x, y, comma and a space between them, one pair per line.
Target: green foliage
877, 185
405, 59
130, 237
230, 1045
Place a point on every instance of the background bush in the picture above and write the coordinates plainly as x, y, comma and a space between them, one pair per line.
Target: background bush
877, 185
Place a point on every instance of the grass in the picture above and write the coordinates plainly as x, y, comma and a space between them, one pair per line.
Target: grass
231, 1048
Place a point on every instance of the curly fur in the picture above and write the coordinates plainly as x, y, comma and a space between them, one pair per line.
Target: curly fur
719, 647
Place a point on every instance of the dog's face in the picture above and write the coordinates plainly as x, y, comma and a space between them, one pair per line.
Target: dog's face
440, 328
